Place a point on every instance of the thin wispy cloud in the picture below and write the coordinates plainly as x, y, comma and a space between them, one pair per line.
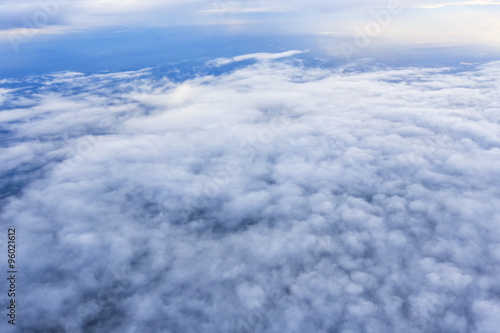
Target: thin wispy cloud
431, 4
254, 56
312, 17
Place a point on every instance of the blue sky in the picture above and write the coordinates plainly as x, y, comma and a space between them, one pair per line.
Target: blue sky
51, 35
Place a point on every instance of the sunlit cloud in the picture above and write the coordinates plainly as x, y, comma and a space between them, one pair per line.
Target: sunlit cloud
254, 56
435, 4
421, 21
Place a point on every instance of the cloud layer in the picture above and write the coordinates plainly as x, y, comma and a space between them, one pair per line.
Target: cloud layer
275, 198
420, 22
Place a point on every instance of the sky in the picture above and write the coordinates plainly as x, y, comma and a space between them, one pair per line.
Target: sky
412, 22
251, 166
93, 36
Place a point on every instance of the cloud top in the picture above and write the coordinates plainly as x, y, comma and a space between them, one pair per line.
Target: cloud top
273, 198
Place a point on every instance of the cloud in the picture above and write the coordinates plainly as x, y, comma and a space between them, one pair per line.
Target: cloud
88, 14
438, 4
274, 198
254, 56
374, 24
296, 16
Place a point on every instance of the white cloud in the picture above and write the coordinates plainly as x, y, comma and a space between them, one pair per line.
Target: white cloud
254, 56
286, 198
420, 22
438, 4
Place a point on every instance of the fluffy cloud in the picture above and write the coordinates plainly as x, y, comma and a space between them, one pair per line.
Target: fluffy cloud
275, 198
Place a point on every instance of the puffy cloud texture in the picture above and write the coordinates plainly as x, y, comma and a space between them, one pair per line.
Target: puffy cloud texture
276, 198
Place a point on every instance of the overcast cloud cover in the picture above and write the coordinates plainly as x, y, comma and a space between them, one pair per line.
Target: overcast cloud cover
428, 22
275, 198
